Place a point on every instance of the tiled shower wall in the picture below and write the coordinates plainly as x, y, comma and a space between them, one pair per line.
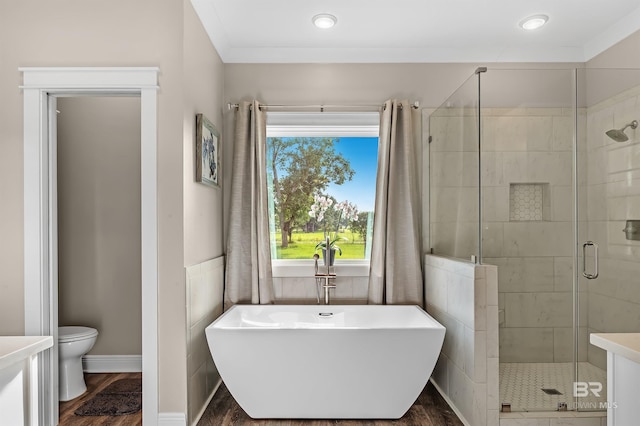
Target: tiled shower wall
613, 195
453, 198
463, 297
530, 146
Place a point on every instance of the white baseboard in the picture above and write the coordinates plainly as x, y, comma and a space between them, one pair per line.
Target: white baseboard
172, 419
112, 363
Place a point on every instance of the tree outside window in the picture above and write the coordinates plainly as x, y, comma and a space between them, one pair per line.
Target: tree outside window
303, 170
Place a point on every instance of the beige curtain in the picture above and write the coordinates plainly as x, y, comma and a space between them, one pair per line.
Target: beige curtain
395, 275
248, 277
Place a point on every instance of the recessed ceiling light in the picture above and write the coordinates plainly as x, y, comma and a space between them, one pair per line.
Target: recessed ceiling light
533, 22
324, 20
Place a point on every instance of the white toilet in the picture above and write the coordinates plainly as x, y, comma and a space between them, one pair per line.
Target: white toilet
73, 343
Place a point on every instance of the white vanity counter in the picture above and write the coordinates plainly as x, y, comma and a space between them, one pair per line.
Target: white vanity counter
624, 344
19, 378
623, 375
16, 348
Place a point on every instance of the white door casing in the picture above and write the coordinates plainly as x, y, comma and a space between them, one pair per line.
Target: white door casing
40, 86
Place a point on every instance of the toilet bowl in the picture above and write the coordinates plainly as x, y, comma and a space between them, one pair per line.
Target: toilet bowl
73, 343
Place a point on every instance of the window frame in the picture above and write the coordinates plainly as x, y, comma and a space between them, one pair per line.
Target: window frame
321, 124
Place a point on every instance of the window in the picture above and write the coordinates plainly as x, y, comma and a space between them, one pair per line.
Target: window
321, 172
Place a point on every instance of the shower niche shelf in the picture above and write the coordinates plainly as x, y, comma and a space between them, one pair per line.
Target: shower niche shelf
529, 202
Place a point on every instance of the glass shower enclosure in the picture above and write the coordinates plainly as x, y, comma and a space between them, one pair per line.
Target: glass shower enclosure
524, 176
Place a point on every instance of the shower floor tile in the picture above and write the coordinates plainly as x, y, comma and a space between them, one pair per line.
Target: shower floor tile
521, 385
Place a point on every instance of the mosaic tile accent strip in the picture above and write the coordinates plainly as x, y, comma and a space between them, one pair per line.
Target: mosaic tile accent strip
525, 201
521, 385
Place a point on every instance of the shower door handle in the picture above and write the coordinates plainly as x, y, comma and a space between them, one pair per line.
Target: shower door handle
584, 260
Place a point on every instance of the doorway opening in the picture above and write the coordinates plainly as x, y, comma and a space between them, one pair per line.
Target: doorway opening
99, 247
40, 87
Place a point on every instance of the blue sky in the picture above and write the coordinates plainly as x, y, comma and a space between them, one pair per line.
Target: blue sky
362, 153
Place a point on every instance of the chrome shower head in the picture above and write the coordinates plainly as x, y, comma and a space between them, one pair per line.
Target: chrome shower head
619, 135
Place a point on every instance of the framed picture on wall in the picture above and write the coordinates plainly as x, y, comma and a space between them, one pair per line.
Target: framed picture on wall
207, 152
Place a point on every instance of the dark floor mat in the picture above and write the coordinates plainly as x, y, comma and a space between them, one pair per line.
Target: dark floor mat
124, 386
120, 398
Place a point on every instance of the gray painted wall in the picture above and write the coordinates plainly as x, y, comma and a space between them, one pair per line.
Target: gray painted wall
116, 33
99, 220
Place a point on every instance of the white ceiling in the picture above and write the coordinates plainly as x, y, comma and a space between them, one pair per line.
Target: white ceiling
377, 31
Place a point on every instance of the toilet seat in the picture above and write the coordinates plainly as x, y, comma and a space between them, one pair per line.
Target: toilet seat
74, 333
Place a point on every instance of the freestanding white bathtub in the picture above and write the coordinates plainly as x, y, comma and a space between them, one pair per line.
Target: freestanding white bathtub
325, 362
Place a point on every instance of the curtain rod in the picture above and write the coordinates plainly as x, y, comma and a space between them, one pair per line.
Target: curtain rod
230, 106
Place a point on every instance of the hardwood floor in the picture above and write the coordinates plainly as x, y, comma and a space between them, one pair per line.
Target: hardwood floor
428, 410
96, 383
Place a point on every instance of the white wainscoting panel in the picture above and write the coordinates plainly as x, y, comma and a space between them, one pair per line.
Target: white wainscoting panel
204, 287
